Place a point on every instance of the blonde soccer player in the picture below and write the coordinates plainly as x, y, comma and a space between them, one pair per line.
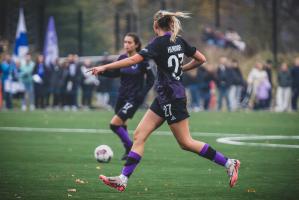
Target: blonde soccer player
167, 50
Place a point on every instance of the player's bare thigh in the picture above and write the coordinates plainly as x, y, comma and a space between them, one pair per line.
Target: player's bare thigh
146, 126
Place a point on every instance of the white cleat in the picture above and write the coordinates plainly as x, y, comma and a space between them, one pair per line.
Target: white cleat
232, 172
115, 182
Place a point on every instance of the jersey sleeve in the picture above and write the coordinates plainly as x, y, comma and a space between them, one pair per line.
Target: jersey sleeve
150, 51
121, 57
189, 50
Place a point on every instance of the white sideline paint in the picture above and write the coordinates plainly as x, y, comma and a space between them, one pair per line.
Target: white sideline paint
226, 138
75, 130
236, 140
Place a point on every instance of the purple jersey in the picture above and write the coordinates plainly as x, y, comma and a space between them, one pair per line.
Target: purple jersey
132, 87
169, 59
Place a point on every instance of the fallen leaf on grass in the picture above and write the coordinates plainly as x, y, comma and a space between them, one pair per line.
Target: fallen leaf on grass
251, 190
72, 190
79, 181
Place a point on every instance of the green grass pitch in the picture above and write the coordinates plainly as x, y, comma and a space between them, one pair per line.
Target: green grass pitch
41, 164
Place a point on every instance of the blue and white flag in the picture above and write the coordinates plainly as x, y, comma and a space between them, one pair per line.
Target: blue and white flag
21, 48
51, 43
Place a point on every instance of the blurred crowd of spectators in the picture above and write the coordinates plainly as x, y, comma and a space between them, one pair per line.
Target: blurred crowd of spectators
31, 84
63, 85
229, 39
210, 85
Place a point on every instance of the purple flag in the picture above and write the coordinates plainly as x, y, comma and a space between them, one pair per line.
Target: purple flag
51, 43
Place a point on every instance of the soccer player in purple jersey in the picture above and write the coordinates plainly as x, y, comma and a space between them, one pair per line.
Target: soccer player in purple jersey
132, 89
167, 50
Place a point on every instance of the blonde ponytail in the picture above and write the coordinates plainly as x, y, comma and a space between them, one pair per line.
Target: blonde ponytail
172, 22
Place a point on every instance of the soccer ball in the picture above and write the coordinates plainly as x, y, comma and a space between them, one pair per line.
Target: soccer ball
103, 153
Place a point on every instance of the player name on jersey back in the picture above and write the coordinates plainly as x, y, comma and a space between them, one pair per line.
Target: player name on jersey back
174, 48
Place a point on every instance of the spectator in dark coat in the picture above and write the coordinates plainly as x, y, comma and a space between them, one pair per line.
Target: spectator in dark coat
295, 84
283, 93
72, 83
39, 76
223, 83
57, 83
47, 84
237, 83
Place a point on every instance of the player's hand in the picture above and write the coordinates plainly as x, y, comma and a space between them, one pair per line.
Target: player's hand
97, 70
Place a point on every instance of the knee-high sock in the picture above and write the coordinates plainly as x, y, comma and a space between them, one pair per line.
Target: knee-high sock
209, 153
133, 160
122, 133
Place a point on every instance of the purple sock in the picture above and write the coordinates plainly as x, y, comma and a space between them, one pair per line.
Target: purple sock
131, 163
209, 153
123, 135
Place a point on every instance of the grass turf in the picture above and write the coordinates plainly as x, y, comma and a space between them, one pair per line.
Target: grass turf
44, 165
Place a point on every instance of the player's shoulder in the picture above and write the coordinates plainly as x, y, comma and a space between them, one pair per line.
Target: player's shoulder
157, 40
180, 39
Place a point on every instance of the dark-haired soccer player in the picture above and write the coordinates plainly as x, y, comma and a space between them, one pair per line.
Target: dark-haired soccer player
132, 89
168, 51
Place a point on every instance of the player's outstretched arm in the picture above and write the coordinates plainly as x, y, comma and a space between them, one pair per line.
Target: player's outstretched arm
198, 59
117, 64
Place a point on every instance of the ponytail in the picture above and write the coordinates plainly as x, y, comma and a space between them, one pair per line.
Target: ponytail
169, 21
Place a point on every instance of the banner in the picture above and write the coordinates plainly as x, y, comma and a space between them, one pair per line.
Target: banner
51, 43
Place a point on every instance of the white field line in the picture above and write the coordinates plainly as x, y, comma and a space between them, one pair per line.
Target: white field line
75, 130
237, 140
226, 138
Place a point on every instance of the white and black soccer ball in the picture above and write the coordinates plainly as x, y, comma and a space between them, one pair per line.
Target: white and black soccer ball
103, 153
